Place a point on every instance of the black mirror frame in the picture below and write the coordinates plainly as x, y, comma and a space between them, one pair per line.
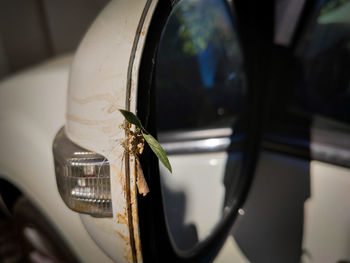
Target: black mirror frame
255, 31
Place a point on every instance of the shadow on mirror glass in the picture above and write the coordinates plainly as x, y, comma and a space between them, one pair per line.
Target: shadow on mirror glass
200, 92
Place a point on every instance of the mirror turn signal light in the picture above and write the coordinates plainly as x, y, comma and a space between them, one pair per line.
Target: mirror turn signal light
83, 178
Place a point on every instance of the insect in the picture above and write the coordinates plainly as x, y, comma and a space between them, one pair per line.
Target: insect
134, 144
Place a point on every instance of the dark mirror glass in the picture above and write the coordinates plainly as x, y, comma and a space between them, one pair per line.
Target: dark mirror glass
323, 53
200, 92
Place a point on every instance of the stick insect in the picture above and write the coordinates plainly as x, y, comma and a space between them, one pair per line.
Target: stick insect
134, 144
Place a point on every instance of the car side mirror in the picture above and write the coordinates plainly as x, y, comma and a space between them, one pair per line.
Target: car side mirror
197, 96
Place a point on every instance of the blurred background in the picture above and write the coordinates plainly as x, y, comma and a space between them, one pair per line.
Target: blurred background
32, 31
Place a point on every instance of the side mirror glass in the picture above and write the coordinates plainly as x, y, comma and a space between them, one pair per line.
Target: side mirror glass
200, 91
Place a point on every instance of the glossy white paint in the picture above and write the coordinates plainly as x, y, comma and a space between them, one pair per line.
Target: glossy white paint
32, 107
97, 89
327, 217
203, 191
199, 178
103, 232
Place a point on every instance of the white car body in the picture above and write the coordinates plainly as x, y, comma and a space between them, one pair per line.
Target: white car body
84, 95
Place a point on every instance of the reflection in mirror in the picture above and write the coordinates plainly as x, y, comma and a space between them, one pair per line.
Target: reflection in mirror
323, 85
200, 91
195, 195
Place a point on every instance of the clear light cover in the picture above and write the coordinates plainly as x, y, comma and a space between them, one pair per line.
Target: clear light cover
83, 178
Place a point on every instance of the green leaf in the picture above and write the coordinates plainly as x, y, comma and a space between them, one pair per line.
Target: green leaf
131, 118
158, 150
155, 146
